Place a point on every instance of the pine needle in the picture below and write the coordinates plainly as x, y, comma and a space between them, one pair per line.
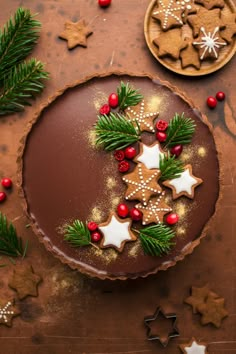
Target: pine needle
179, 131
170, 167
128, 96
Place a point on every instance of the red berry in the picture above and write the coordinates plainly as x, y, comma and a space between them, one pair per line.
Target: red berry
96, 236
119, 155
104, 3
123, 166
6, 182
130, 152
211, 102
92, 226
2, 196
161, 125
172, 218
161, 136
122, 210
176, 150
105, 109
220, 96
113, 100
135, 214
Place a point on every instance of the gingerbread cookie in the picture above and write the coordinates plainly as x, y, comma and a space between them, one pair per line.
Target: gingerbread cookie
185, 184
209, 43
189, 57
142, 184
213, 311
198, 296
143, 118
116, 232
207, 19
25, 281
229, 20
169, 13
76, 33
150, 155
194, 347
170, 43
8, 310
210, 4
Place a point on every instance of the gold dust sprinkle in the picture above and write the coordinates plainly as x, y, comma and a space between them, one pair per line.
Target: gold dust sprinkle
135, 250
155, 102
105, 255
99, 100
114, 201
96, 214
111, 182
202, 151
92, 138
180, 209
180, 231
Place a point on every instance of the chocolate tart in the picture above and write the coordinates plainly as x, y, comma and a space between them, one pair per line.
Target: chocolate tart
63, 176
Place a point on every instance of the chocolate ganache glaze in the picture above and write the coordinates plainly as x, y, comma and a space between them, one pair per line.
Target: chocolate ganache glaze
64, 176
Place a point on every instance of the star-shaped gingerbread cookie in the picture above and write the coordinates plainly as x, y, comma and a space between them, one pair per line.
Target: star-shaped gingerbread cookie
150, 155
144, 119
229, 20
76, 33
198, 296
210, 4
194, 347
169, 13
116, 232
25, 281
189, 57
209, 19
170, 43
142, 184
155, 210
185, 184
8, 310
213, 311
209, 44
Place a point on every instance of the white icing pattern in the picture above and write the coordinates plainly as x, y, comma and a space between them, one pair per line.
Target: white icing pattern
116, 232
209, 42
169, 12
150, 156
184, 183
142, 118
195, 349
4, 312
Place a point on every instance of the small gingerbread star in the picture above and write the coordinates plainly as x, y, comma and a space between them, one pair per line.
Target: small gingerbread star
144, 119
8, 310
193, 347
198, 296
150, 155
76, 33
189, 57
230, 26
205, 18
210, 4
116, 232
169, 13
165, 43
185, 184
213, 311
155, 210
25, 281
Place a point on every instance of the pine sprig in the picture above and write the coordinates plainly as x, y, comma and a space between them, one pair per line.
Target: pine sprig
17, 39
22, 83
78, 235
179, 131
128, 96
170, 167
10, 243
115, 132
156, 239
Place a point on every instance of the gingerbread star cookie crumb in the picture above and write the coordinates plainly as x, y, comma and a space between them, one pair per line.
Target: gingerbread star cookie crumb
8, 310
76, 33
194, 347
213, 311
170, 43
25, 281
189, 57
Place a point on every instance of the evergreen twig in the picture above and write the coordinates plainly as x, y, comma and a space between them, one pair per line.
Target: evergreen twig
156, 239
116, 132
21, 84
180, 130
128, 96
78, 235
170, 167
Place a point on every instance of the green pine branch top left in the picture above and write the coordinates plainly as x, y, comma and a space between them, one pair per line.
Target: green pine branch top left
20, 80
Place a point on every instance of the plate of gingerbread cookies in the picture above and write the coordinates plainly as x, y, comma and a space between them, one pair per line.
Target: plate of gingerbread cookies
191, 37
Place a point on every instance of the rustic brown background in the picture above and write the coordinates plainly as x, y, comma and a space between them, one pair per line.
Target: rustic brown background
75, 314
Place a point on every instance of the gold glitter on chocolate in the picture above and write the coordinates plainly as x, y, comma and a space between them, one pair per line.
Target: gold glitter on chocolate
111, 182
135, 250
202, 151
96, 214
100, 98
92, 138
180, 231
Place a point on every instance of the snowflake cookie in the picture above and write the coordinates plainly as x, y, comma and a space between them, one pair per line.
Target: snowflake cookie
209, 44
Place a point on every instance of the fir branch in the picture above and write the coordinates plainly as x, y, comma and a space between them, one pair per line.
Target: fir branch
156, 239
10, 243
128, 96
116, 132
180, 130
170, 167
78, 235
21, 84
17, 39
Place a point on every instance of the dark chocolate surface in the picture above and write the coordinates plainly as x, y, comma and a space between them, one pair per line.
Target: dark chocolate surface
64, 176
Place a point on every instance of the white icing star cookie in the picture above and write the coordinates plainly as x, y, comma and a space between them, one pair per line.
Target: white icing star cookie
116, 232
150, 155
138, 114
185, 184
193, 348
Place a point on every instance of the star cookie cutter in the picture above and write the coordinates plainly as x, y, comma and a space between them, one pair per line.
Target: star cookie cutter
170, 316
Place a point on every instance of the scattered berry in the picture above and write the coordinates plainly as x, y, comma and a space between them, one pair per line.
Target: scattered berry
172, 218
211, 102
161, 125
123, 166
92, 226
113, 100
119, 155
220, 96
135, 214
176, 150
105, 109
161, 136
6, 182
130, 152
2, 196
104, 3
96, 236
122, 210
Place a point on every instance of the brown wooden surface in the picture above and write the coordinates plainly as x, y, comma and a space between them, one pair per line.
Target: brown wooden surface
75, 314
